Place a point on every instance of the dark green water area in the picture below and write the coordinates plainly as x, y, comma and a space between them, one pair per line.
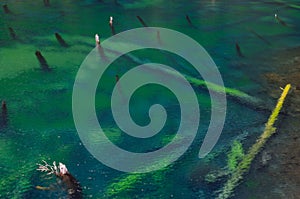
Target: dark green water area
38, 124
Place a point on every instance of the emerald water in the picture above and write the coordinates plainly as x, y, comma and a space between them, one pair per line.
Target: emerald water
39, 123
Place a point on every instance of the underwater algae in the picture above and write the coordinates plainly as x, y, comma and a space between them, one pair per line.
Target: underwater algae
245, 163
236, 154
125, 184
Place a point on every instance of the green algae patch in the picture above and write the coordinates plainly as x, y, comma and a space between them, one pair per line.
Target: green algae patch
18, 181
235, 155
125, 185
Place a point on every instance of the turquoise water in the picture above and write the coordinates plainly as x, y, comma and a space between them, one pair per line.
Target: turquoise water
39, 123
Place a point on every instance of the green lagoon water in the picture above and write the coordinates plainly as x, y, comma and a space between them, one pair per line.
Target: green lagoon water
39, 123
